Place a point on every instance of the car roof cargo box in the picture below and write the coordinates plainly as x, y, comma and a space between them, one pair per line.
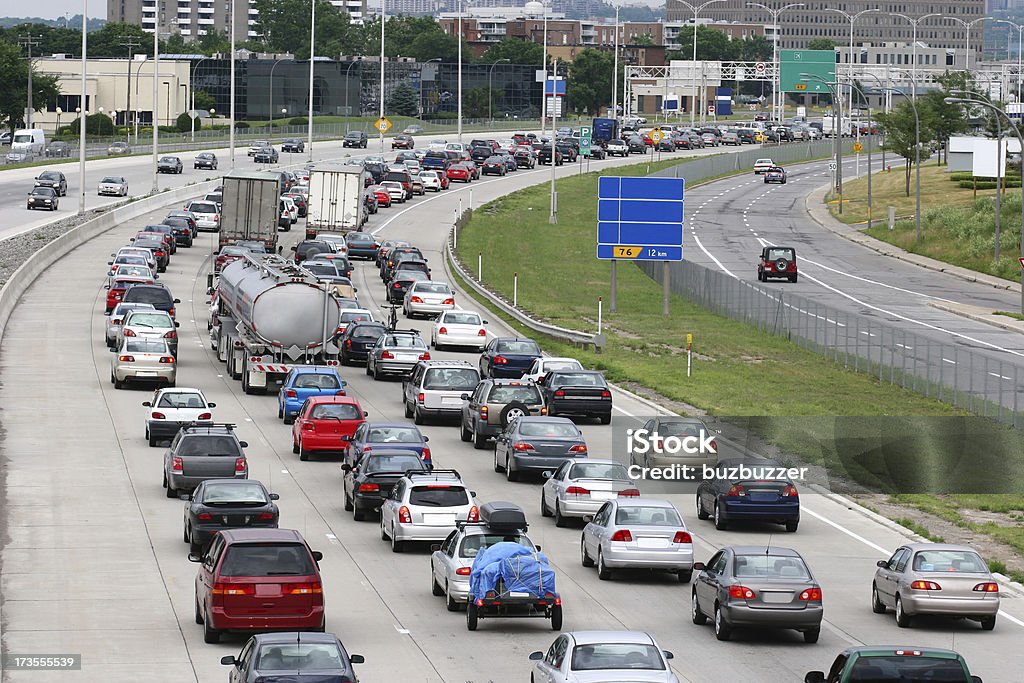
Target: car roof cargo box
503, 515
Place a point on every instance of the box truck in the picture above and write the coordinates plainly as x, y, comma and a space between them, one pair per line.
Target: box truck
250, 208
336, 198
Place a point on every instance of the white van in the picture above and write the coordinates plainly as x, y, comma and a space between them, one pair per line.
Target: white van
29, 140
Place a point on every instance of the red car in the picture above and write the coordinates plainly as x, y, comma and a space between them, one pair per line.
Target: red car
458, 172
403, 142
322, 423
258, 580
383, 198
117, 288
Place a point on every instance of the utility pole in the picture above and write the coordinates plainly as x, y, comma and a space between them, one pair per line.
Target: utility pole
131, 45
29, 41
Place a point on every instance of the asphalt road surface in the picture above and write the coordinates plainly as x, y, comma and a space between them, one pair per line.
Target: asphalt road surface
94, 563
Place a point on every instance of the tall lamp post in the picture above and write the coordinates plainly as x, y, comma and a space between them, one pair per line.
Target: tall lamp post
615, 70
490, 97
271, 89
383, 16
462, 10
869, 137
231, 107
852, 18
192, 83
348, 71
967, 46
696, 9
1016, 130
833, 88
775, 14
553, 217
917, 151
914, 23
81, 109
1020, 37
884, 90
312, 63
156, 99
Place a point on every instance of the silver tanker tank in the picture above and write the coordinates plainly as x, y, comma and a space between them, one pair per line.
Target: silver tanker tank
278, 303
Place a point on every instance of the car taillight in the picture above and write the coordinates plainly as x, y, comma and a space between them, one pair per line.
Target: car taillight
171, 312
736, 491
741, 593
302, 588
291, 393
623, 536
308, 426
925, 586
577, 491
419, 397
483, 412
158, 254
205, 416
500, 360
629, 493
682, 537
167, 360
988, 587
791, 267
404, 516
606, 394
790, 492
443, 330
234, 589
239, 465
522, 446
171, 335
415, 300
559, 394
397, 285
159, 416
129, 333
482, 333
204, 517
448, 302
426, 454
463, 571
474, 514
116, 321
348, 343
176, 465
369, 488
387, 355
126, 359
811, 594
578, 448
425, 355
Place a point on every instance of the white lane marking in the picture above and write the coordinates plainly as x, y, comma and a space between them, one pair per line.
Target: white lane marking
875, 282
712, 256
403, 631
908, 348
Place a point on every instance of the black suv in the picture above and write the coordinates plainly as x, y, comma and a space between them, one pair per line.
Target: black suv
494, 404
480, 154
357, 340
54, 179
355, 138
293, 145
396, 256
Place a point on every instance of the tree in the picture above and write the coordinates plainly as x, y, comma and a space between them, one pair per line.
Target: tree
899, 129
214, 41
756, 49
590, 80
285, 25
403, 101
475, 102
204, 100
821, 44
106, 43
95, 124
712, 45
184, 122
515, 50
419, 37
645, 39
14, 93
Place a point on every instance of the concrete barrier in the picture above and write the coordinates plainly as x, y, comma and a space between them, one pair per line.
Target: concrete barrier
42, 259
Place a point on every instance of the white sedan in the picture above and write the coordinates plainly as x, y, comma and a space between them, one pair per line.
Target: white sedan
542, 366
430, 181
395, 190
459, 328
337, 242
762, 166
113, 185
585, 656
293, 210
170, 409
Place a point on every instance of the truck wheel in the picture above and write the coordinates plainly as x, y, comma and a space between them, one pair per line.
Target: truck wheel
556, 618
472, 619
465, 434
479, 441
417, 417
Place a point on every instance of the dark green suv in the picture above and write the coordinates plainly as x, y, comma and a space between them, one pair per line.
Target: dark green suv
895, 664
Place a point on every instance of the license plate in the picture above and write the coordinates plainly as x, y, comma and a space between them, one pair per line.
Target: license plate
518, 594
452, 401
642, 542
776, 597
145, 373
406, 356
438, 519
602, 495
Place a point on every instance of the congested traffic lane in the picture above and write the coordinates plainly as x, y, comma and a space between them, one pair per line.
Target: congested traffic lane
378, 602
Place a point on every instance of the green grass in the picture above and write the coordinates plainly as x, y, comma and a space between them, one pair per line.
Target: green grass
1010, 314
956, 508
919, 529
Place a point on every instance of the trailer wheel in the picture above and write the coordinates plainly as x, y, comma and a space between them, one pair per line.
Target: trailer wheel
556, 618
472, 618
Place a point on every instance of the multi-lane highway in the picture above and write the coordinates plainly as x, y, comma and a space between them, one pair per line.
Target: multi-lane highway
94, 563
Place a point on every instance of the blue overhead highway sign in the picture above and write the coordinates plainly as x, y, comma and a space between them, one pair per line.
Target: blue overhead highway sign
640, 218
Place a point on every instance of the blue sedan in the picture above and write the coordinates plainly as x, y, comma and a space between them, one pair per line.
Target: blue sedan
303, 381
747, 489
371, 436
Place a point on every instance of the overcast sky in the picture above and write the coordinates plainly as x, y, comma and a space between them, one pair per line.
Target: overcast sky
51, 9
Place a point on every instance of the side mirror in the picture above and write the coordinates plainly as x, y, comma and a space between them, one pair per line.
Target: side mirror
177, 324
587, 519
243, 444
275, 496
465, 397
195, 557
547, 474
177, 301
815, 677
473, 493
228, 660
345, 467
317, 555
356, 659
293, 248
485, 322
185, 497
148, 404
537, 656
110, 263
106, 287
537, 548
113, 350
366, 414
354, 289
434, 547
699, 566
884, 564
975, 679
211, 405
426, 439
668, 654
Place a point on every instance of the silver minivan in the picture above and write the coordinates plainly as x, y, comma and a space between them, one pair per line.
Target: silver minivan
435, 388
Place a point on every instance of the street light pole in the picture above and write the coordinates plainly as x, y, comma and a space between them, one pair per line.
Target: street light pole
82, 112
383, 16
852, 18
777, 85
192, 83
231, 114
131, 45
156, 97
312, 62
29, 41
348, 71
914, 23
696, 9
615, 69
490, 113
271, 93
834, 90
869, 137
553, 218
1020, 37
967, 46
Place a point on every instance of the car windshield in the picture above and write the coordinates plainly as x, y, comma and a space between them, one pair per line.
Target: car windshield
396, 434
321, 269
300, 657
359, 238
49, 175
578, 379
604, 656
335, 411
139, 346
451, 379
431, 287
523, 347
949, 561
169, 160
763, 566
43, 191
774, 254
208, 444
240, 492
393, 463
438, 496
647, 515
181, 399
462, 319
233, 251
160, 320
405, 341
551, 365
112, 180
202, 207
316, 381
530, 428
472, 545
523, 393
918, 669
267, 559
598, 471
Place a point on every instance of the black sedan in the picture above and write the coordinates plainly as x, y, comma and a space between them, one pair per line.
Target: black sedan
219, 504
168, 165
494, 165
205, 160
42, 198
357, 340
182, 230
401, 282
637, 145
295, 657
54, 179
369, 481
293, 145
361, 245
577, 392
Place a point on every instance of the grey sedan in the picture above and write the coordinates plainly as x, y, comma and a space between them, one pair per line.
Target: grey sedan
169, 165
396, 353
652, 447
936, 579
150, 325
580, 487
537, 444
637, 533
757, 587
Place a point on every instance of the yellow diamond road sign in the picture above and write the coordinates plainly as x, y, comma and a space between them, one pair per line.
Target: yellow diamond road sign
656, 135
383, 125
858, 148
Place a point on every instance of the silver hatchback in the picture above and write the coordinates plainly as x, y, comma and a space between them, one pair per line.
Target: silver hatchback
150, 325
426, 506
142, 360
396, 353
116, 317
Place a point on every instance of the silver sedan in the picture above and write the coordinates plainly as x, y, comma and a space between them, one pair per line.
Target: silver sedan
936, 579
142, 360
428, 299
593, 656
113, 185
581, 486
396, 353
116, 317
637, 533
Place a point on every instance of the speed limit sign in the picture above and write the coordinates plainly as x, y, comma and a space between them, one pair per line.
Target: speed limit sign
832, 166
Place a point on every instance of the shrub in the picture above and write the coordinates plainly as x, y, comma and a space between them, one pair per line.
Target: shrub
241, 125
184, 123
298, 121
